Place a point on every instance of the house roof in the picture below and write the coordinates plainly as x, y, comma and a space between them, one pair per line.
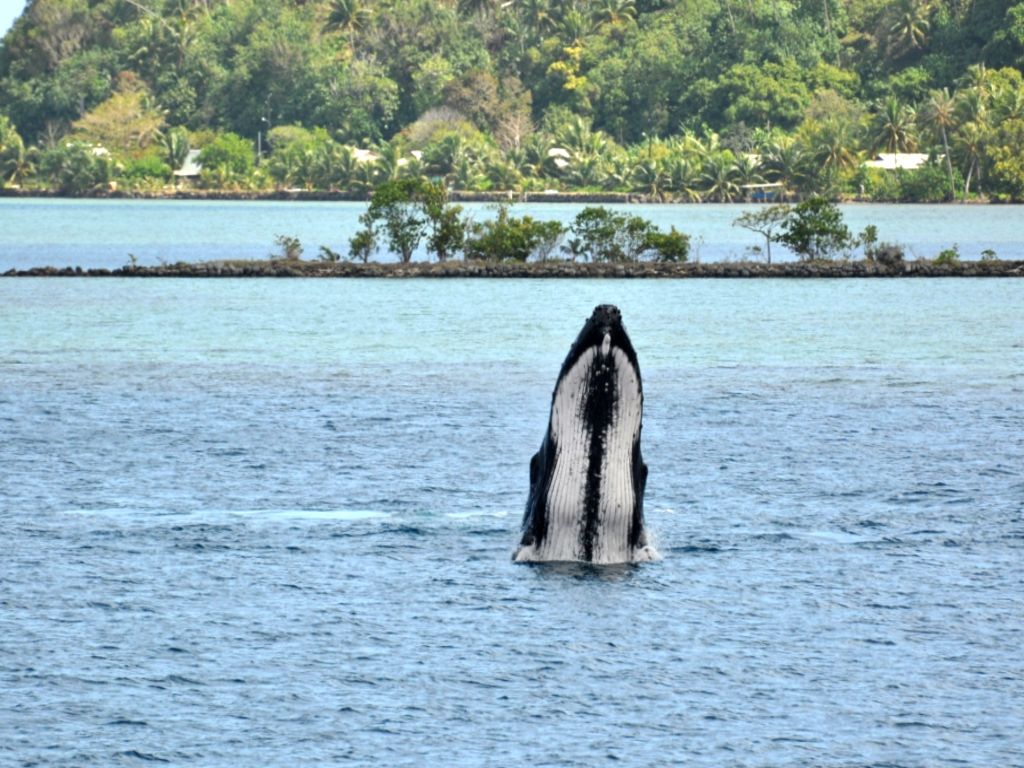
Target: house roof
191, 167
892, 161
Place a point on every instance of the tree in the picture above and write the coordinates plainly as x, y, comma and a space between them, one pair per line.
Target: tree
939, 114
910, 27
176, 147
12, 152
76, 168
894, 126
126, 122
407, 209
227, 158
814, 230
446, 227
765, 221
347, 17
512, 238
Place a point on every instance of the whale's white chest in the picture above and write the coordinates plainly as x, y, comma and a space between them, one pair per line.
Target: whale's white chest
591, 498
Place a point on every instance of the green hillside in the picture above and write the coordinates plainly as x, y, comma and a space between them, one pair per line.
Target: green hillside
690, 100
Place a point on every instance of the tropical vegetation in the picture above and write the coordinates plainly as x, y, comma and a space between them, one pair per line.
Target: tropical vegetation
687, 100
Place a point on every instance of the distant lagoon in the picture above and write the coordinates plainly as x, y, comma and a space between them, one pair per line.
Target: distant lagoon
108, 233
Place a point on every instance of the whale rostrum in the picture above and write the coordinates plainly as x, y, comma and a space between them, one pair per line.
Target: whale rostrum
587, 480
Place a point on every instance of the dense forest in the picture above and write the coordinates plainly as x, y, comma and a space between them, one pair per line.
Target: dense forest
674, 99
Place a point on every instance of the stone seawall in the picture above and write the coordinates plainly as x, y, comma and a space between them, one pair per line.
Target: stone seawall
544, 269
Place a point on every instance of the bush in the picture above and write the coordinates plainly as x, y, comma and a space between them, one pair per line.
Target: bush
814, 230
927, 184
291, 247
146, 167
512, 238
669, 246
948, 256
603, 235
888, 255
228, 155
76, 168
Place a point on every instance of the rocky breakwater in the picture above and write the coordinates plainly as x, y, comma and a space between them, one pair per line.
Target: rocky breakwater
543, 269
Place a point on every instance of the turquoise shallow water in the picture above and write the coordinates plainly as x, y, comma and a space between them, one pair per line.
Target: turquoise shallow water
106, 233
270, 522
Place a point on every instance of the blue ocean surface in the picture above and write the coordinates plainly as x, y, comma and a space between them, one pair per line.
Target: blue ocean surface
270, 522
62, 232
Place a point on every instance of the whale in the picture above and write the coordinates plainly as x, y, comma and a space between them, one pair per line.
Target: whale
587, 480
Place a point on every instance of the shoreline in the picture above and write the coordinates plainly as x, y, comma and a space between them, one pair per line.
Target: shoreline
540, 269
455, 196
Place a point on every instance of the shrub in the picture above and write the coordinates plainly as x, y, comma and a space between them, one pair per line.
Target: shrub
76, 168
603, 235
927, 184
226, 156
948, 256
888, 255
291, 247
669, 246
362, 245
512, 238
815, 230
146, 167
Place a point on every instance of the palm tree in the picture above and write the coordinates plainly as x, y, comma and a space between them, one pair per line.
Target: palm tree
721, 177
347, 17
585, 170
911, 27
176, 147
969, 144
894, 127
465, 174
939, 114
683, 179
12, 152
574, 25
502, 174
615, 12
344, 169
748, 170
785, 162
649, 177
388, 165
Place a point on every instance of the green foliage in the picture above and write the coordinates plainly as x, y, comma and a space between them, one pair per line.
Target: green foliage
948, 256
149, 166
512, 238
599, 234
799, 92
228, 155
12, 152
291, 247
765, 222
395, 211
814, 230
927, 184
671, 246
446, 229
176, 146
362, 245
76, 168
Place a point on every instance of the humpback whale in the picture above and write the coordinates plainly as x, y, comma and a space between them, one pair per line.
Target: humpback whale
587, 480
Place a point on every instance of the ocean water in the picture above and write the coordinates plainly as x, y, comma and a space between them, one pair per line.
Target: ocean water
251, 523
110, 233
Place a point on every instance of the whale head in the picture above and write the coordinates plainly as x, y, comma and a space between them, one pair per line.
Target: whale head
587, 480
